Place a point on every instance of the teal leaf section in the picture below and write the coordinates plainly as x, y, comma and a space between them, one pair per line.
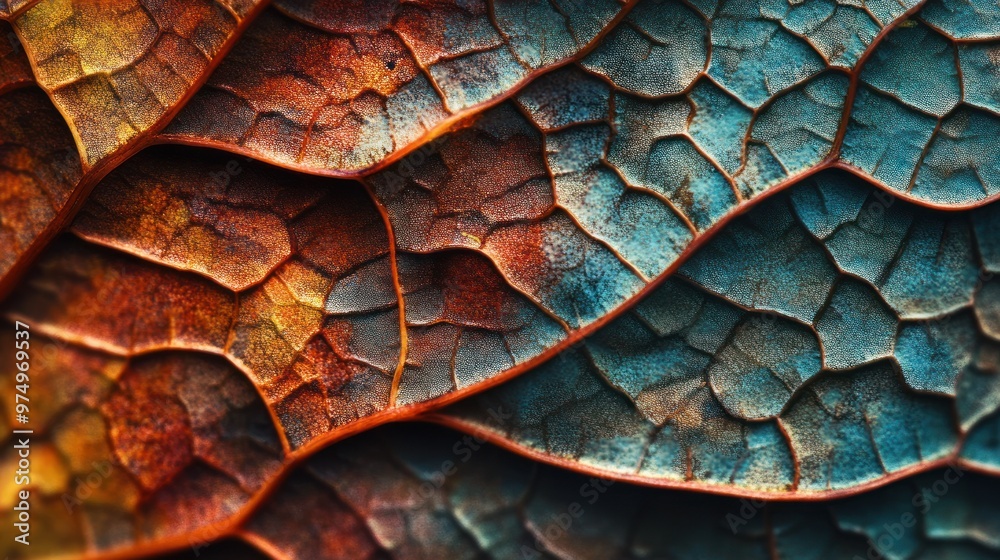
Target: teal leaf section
927, 102
964, 19
660, 49
832, 339
626, 176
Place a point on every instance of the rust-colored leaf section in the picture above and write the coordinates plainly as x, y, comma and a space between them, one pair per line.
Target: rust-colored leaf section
117, 69
188, 255
102, 300
465, 324
39, 168
11, 8
132, 449
296, 280
288, 277
337, 88
15, 71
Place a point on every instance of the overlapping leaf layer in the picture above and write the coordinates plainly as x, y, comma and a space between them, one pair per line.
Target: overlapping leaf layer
832, 337
734, 247
442, 495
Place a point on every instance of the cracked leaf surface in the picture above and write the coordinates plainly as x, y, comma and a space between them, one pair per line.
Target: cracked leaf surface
292, 280
39, 168
924, 105
117, 69
827, 340
526, 171
127, 446
387, 80
497, 505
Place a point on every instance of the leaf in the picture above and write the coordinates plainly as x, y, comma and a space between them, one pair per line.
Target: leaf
11, 8
39, 169
118, 70
303, 299
126, 448
634, 181
824, 343
404, 493
925, 101
465, 326
37, 175
14, 68
963, 20
391, 78
525, 174
292, 280
219, 550
404, 74
609, 205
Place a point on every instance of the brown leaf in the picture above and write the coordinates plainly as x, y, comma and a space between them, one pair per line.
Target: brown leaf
39, 168
129, 449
